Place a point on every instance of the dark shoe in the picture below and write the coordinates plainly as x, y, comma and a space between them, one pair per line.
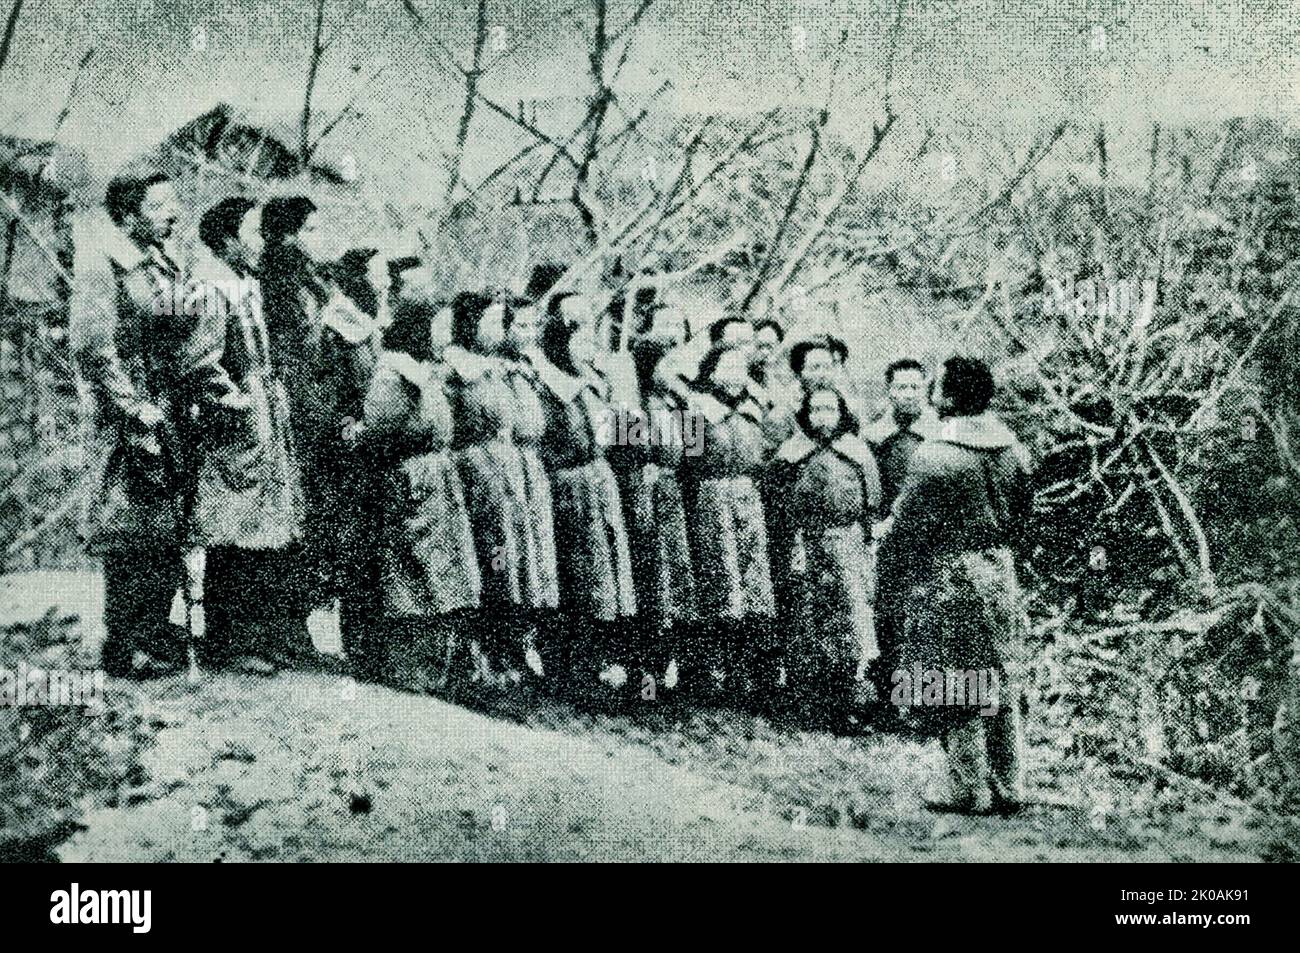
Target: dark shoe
966, 808
1005, 808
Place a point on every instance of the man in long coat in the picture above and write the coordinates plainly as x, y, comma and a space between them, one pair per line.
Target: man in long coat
947, 564
126, 341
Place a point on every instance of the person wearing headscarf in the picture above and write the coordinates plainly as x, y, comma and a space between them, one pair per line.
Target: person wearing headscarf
728, 530
595, 565
428, 573
825, 490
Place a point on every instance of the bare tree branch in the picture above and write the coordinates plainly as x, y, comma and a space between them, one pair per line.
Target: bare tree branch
10, 26
313, 66
471, 91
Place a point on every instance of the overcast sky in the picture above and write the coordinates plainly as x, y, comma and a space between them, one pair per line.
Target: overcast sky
1003, 69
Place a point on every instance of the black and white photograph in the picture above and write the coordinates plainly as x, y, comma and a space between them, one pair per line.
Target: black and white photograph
651, 431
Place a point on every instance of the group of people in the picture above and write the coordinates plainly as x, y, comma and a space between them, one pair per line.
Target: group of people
490, 500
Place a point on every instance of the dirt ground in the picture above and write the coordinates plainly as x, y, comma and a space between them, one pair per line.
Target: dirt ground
317, 767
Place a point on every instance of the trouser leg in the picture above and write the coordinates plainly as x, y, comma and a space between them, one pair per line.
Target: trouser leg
1002, 732
968, 765
221, 591
139, 586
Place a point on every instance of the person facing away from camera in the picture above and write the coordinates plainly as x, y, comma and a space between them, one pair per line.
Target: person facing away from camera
596, 595
128, 351
895, 435
428, 576
824, 493
249, 504
728, 533
946, 566
514, 542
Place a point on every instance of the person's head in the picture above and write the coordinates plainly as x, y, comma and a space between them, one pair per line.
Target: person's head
223, 229
817, 362
646, 355
825, 414
906, 381
768, 336
362, 274
964, 387
523, 326
144, 206
478, 321
725, 368
293, 218
731, 330
420, 328
567, 345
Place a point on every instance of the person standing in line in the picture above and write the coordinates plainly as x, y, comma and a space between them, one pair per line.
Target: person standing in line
655, 515
728, 533
597, 598
428, 574
249, 504
326, 348
127, 347
948, 557
516, 556
522, 356
825, 490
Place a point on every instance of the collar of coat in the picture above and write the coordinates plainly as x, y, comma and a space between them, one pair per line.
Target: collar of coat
801, 447
563, 385
219, 277
469, 366
980, 432
350, 322
406, 367
883, 428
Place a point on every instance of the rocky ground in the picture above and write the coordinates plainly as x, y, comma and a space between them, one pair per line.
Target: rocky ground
307, 766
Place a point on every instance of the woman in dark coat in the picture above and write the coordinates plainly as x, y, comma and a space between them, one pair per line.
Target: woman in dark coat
428, 573
825, 490
327, 348
595, 566
947, 568
514, 543
728, 530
